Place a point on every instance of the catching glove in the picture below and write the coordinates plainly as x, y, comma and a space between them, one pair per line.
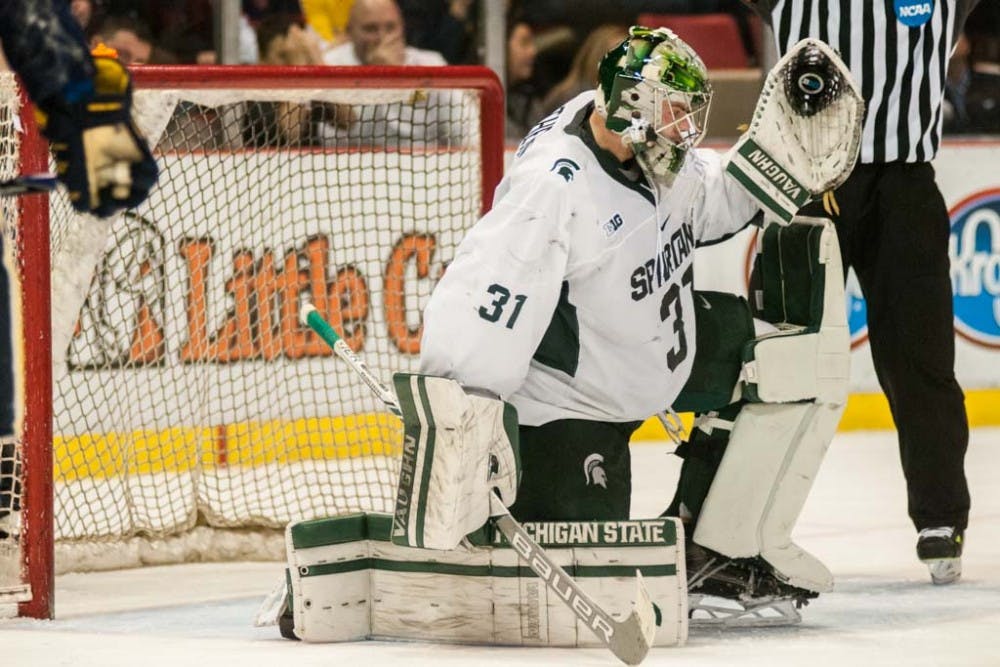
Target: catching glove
100, 156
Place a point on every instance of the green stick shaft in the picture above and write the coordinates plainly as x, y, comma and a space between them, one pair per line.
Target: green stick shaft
311, 317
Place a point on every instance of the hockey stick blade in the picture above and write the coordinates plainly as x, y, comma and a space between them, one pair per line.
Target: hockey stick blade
311, 318
23, 185
273, 606
630, 640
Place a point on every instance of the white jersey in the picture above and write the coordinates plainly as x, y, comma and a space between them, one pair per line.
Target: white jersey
572, 297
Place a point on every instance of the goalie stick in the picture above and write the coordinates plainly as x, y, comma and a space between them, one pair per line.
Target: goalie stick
630, 640
311, 318
28, 184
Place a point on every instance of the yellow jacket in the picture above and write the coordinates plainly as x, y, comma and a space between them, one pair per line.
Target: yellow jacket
328, 17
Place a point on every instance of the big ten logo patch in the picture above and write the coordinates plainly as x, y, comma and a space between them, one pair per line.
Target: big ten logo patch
152, 301
974, 250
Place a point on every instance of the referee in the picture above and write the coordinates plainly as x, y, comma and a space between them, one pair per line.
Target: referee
893, 227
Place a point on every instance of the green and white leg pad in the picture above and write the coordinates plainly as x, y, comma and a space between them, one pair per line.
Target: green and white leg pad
458, 446
796, 383
349, 582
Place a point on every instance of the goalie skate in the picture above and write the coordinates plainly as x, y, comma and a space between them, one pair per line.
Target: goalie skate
710, 611
739, 592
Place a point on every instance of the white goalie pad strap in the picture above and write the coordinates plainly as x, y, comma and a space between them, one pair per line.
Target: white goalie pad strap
796, 367
456, 448
711, 421
348, 582
761, 486
805, 134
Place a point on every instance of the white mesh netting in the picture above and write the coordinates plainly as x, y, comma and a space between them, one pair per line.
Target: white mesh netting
185, 391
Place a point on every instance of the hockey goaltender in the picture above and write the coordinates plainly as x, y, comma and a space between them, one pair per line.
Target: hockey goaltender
567, 317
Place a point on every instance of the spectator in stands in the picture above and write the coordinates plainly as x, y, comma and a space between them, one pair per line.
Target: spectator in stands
133, 41
186, 28
328, 20
581, 75
83, 12
376, 36
375, 31
282, 41
523, 99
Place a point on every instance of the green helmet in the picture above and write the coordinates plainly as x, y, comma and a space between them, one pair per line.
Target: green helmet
653, 89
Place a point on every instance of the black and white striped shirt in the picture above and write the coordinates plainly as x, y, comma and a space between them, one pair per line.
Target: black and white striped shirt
897, 51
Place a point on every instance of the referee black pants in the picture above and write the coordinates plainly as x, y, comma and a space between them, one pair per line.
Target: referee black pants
893, 228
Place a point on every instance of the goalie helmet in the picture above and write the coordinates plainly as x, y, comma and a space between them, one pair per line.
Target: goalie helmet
653, 90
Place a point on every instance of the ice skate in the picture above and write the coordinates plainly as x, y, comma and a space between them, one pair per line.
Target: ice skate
941, 549
739, 592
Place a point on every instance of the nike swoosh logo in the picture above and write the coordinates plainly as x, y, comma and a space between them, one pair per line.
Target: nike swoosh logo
705, 303
663, 226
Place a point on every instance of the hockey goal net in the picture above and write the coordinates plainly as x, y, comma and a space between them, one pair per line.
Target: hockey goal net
186, 402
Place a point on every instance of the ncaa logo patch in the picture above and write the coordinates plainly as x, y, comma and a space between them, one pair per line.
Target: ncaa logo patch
912, 13
974, 250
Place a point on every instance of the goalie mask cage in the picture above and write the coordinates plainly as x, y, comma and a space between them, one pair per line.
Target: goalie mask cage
188, 415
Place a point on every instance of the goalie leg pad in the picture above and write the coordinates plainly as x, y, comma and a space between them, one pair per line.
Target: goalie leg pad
770, 465
457, 447
349, 582
797, 379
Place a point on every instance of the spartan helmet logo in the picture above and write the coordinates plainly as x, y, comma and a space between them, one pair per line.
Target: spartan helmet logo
593, 469
565, 168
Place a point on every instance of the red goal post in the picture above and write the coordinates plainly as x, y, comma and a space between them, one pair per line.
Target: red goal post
183, 394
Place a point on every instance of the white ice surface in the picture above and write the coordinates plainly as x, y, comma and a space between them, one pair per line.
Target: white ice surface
883, 611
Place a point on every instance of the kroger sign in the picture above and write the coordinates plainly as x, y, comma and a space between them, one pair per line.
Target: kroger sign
974, 249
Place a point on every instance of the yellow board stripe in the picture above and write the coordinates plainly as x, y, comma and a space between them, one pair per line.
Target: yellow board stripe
251, 444
868, 412
247, 444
